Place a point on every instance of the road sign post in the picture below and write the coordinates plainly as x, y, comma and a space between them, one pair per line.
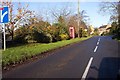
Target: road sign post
4, 18
4, 36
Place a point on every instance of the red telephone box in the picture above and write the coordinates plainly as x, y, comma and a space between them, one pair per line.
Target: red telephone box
72, 32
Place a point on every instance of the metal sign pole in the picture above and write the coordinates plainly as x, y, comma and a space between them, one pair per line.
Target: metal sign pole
4, 18
4, 36
78, 19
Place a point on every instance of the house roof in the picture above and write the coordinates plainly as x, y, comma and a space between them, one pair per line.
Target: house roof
103, 26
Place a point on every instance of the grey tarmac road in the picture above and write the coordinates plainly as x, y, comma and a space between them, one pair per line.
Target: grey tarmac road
97, 57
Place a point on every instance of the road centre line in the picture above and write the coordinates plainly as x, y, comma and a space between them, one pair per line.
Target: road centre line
87, 69
90, 62
98, 43
99, 40
95, 48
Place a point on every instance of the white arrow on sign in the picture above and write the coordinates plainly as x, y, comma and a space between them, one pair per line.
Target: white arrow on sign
2, 16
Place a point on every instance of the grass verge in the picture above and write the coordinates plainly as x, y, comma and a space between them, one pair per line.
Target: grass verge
16, 54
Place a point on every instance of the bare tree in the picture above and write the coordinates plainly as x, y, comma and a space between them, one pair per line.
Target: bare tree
119, 13
64, 12
83, 20
73, 22
109, 8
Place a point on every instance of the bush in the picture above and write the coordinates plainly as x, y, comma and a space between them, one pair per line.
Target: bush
28, 37
84, 34
20, 35
20, 39
64, 36
41, 37
50, 37
56, 38
116, 37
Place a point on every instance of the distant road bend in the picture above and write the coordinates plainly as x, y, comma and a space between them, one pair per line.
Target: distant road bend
94, 58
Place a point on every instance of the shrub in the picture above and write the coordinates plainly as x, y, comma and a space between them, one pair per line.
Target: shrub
28, 37
56, 38
20, 39
84, 34
50, 37
41, 37
64, 36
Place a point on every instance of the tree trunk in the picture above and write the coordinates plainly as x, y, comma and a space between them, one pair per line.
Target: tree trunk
12, 35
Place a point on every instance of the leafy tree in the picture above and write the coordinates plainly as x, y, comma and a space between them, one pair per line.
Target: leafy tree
61, 29
96, 31
113, 28
23, 15
42, 30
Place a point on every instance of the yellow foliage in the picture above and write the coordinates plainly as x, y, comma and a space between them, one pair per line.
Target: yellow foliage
64, 36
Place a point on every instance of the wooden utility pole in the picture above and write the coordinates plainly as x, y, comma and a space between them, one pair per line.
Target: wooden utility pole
78, 19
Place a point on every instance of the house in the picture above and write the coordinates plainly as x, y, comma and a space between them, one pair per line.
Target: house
104, 29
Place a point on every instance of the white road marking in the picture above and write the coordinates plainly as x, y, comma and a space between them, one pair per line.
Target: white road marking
87, 69
95, 48
99, 40
90, 62
98, 43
